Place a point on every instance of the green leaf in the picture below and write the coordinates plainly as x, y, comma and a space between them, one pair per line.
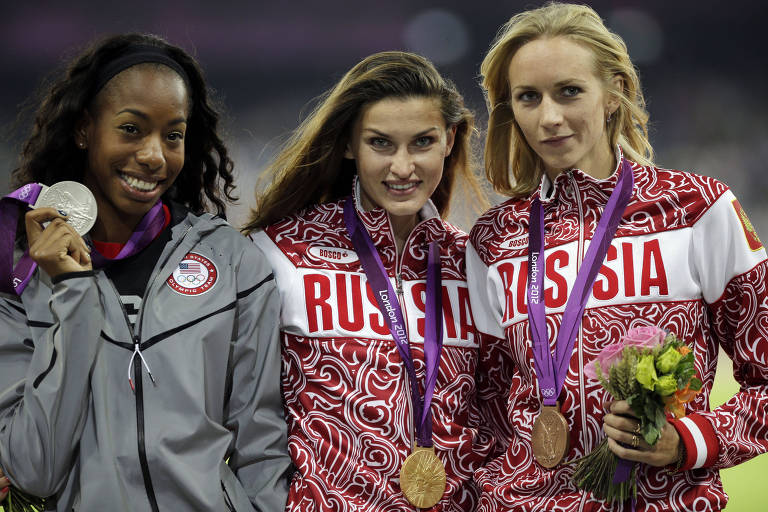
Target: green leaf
637, 403
651, 434
695, 384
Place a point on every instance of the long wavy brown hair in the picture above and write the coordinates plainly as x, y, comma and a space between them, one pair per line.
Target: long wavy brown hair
311, 169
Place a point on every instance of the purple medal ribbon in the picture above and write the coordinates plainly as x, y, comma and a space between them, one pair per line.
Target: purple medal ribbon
393, 315
19, 275
146, 231
550, 372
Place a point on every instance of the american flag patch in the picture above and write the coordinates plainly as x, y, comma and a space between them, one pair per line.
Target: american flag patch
189, 267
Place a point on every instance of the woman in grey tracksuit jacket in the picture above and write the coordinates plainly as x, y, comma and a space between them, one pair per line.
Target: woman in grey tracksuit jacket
174, 406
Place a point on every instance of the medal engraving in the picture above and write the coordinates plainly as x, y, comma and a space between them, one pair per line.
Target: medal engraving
74, 199
422, 478
550, 436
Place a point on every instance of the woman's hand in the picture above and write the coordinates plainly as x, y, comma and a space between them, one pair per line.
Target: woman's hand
622, 426
57, 248
4, 484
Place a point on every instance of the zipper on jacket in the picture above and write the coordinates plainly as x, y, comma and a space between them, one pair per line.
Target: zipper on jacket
410, 419
579, 260
137, 386
227, 499
151, 283
140, 436
138, 391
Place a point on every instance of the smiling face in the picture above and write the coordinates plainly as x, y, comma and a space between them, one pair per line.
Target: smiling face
134, 135
399, 146
561, 106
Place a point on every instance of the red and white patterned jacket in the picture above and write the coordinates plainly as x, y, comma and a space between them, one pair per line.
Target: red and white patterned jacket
685, 258
346, 395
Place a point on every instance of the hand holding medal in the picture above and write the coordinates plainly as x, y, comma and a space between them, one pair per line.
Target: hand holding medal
60, 214
57, 248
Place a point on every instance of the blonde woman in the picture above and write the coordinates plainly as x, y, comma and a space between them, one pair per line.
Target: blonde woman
567, 142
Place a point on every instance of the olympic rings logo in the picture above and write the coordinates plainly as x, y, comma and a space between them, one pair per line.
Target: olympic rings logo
548, 392
192, 279
25, 191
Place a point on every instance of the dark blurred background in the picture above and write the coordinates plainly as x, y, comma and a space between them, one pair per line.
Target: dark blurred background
702, 64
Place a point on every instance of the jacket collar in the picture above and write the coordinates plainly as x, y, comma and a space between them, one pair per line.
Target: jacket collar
550, 191
377, 219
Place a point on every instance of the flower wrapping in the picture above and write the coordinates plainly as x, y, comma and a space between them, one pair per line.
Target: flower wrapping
653, 371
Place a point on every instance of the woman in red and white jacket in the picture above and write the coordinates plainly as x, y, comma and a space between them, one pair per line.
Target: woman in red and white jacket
567, 121
368, 174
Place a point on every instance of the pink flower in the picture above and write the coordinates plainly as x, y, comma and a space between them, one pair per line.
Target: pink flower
646, 336
607, 357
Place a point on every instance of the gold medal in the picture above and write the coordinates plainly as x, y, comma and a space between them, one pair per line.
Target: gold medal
550, 436
422, 477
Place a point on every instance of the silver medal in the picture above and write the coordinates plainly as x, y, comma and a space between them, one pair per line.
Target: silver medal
73, 198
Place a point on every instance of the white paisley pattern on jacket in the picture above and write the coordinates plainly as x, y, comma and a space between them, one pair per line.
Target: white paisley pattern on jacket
685, 258
346, 395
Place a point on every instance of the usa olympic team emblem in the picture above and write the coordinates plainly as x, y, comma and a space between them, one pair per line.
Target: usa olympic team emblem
195, 275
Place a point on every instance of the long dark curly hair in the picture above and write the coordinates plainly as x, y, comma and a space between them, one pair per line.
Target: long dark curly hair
50, 155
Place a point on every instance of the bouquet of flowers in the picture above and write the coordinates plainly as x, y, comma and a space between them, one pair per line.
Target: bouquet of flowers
653, 371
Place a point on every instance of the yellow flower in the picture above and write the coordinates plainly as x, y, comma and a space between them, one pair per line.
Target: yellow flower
668, 360
666, 385
646, 372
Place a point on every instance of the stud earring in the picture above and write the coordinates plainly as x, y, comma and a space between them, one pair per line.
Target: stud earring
608, 119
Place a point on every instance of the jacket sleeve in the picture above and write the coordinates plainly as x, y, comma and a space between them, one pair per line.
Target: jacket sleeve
731, 265
45, 383
495, 365
255, 410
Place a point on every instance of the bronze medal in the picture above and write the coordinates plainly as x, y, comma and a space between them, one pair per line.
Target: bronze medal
550, 436
422, 477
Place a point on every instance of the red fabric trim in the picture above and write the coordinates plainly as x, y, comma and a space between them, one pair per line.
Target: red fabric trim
167, 214
688, 442
111, 249
691, 452
108, 249
710, 438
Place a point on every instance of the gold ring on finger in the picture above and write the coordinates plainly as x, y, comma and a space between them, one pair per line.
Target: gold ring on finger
637, 429
635, 441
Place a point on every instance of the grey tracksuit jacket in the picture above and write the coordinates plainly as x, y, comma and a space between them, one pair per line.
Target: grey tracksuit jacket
70, 424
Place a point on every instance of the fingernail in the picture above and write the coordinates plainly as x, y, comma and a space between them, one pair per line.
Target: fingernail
62, 212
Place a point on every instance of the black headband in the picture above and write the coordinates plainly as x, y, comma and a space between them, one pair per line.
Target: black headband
137, 54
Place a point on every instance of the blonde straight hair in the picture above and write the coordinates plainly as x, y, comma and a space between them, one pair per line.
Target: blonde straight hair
511, 165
